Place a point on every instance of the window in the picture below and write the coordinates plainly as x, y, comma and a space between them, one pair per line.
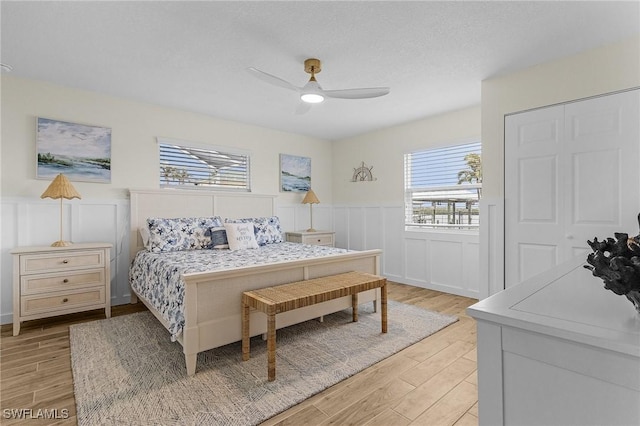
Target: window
443, 187
199, 167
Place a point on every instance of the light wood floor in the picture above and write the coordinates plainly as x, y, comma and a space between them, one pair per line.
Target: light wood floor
433, 382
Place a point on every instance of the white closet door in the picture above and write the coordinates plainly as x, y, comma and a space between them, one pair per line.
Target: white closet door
602, 154
533, 193
571, 174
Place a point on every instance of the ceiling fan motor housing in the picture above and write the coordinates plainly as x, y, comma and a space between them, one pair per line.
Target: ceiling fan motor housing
312, 66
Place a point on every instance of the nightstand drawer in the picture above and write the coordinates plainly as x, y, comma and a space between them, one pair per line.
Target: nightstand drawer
30, 264
34, 284
320, 240
62, 301
316, 238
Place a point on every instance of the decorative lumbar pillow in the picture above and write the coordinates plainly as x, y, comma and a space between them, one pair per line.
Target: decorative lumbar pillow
185, 233
241, 236
268, 229
218, 238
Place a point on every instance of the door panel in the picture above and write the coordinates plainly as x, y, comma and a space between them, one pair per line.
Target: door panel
596, 188
535, 258
532, 192
537, 190
602, 136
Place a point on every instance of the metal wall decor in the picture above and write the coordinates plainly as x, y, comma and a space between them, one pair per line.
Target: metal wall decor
362, 174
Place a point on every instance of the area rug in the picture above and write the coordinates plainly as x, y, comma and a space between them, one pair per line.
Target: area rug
127, 372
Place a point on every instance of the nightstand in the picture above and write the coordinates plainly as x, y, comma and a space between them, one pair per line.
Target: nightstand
50, 281
319, 238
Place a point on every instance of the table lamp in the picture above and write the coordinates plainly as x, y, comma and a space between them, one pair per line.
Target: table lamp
61, 188
311, 199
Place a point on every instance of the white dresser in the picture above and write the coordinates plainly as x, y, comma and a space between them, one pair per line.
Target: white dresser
558, 349
49, 281
319, 238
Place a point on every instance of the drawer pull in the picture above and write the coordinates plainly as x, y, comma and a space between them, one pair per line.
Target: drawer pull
65, 300
65, 261
66, 280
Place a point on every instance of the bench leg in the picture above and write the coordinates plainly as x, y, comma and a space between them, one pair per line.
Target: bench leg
383, 302
354, 306
246, 345
271, 344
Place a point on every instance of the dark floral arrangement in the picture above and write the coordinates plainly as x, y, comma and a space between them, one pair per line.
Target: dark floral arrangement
617, 263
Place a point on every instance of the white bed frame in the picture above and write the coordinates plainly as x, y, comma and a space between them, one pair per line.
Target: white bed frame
212, 299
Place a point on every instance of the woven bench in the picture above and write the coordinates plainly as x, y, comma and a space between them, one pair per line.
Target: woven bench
287, 297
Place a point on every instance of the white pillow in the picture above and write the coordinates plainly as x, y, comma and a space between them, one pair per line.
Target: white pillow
241, 236
145, 234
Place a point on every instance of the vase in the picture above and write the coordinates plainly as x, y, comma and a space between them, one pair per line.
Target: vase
634, 297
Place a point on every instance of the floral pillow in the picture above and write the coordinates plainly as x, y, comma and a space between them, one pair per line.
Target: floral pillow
267, 229
185, 233
241, 236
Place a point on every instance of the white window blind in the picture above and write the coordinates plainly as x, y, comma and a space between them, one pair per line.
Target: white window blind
202, 167
443, 186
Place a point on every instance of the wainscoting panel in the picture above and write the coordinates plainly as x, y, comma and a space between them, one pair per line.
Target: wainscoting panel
373, 219
451, 261
357, 226
471, 259
442, 256
441, 261
415, 267
491, 277
341, 226
391, 232
288, 217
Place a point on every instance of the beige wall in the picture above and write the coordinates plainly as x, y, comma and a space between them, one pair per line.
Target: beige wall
595, 72
384, 151
135, 126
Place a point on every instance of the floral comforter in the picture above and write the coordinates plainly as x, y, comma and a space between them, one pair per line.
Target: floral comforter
157, 277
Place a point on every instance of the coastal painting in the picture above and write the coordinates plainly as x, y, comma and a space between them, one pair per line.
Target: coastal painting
295, 173
80, 151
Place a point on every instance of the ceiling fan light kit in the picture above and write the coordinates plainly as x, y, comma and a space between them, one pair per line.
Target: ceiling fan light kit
311, 98
312, 93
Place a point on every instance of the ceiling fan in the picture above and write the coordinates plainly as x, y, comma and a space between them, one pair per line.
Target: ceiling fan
312, 93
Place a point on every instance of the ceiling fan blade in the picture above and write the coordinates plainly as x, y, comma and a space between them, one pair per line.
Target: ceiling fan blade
272, 79
373, 92
302, 108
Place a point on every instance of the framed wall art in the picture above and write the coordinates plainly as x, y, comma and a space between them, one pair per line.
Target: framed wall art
295, 173
82, 152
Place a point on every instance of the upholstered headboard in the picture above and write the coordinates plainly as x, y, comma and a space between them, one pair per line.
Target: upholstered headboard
171, 203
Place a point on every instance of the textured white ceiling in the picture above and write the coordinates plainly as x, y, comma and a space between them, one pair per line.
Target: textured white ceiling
194, 55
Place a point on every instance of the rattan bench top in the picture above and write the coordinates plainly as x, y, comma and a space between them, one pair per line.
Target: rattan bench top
295, 295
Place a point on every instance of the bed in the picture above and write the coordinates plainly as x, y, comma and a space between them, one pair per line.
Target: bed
211, 300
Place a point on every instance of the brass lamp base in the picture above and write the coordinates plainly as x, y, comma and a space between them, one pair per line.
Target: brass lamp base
62, 244
311, 230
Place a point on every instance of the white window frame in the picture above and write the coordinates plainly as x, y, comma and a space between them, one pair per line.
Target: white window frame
453, 195
236, 156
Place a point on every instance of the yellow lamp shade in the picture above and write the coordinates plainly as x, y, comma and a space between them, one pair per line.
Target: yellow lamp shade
60, 188
310, 198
